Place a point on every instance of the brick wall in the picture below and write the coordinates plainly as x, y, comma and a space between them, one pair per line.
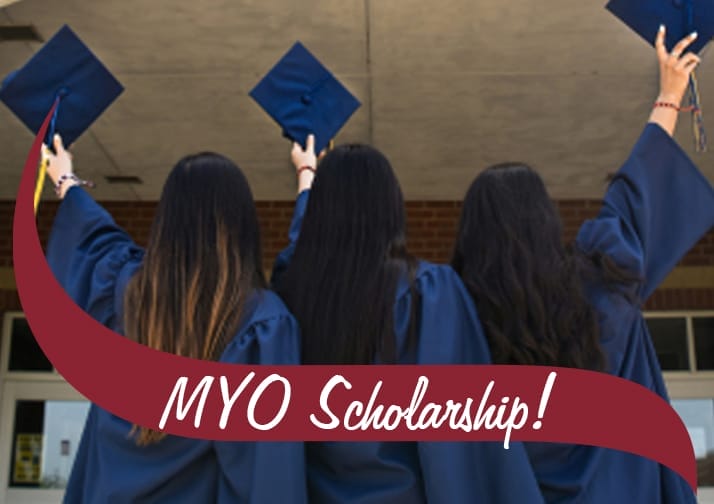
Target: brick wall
431, 225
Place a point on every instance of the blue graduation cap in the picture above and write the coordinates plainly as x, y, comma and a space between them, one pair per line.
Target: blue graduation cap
680, 17
303, 97
65, 71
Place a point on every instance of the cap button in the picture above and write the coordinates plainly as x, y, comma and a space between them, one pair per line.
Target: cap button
62, 92
306, 99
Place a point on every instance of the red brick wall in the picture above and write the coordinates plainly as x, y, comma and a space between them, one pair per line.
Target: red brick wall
431, 225
8, 301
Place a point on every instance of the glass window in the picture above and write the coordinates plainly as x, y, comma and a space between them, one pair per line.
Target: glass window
45, 438
669, 336
704, 342
698, 417
25, 353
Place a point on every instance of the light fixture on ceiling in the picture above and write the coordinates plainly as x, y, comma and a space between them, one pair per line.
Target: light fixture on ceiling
123, 179
19, 33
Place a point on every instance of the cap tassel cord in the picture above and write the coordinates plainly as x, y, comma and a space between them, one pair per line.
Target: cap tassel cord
700, 137
44, 163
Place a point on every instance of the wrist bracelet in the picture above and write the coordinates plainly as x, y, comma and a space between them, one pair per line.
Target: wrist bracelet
306, 167
675, 107
70, 176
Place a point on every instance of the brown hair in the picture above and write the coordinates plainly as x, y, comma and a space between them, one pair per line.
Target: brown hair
202, 261
527, 286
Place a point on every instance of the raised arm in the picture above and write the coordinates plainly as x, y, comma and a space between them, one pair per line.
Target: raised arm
305, 163
87, 252
674, 74
658, 204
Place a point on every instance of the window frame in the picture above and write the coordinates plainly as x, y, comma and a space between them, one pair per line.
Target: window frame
32, 386
692, 376
5, 343
692, 383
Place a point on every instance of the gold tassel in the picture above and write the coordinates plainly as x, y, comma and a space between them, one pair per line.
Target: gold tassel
41, 175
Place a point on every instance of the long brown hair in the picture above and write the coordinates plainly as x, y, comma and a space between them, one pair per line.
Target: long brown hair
202, 261
342, 281
527, 285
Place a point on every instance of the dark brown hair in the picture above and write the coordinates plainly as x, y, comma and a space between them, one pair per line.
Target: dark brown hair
527, 285
342, 281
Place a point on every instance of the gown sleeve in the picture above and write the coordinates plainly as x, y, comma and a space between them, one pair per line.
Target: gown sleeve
656, 208
451, 333
88, 253
283, 260
265, 471
449, 329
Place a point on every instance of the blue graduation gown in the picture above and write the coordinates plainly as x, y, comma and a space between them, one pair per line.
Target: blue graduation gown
93, 259
656, 208
415, 472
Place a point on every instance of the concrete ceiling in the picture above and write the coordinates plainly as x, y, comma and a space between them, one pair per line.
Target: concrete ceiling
448, 87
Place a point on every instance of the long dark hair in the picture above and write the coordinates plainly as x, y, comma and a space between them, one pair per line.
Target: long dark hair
342, 280
202, 261
527, 285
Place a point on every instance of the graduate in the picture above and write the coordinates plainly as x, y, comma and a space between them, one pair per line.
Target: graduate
198, 290
545, 304
361, 298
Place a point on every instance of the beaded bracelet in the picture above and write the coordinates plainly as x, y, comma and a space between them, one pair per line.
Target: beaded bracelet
306, 167
73, 178
675, 107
